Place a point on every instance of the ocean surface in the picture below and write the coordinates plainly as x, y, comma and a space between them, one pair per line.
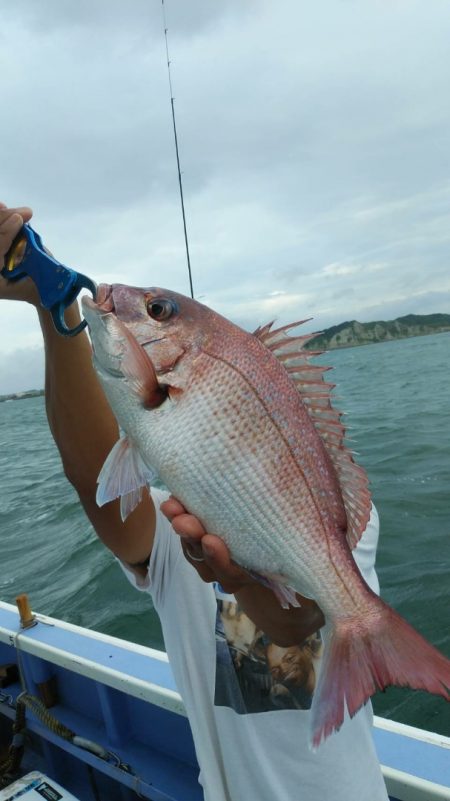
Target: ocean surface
397, 398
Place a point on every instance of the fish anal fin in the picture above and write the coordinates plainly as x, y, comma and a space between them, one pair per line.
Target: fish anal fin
285, 595
123, 475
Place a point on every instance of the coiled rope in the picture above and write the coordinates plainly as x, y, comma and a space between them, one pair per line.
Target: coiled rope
9, 766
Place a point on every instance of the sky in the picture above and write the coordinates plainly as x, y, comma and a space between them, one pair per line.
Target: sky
314, 142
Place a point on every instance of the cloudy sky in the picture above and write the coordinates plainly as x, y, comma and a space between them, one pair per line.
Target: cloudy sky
314, 139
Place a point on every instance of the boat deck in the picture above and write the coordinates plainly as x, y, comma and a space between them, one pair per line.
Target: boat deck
105, 694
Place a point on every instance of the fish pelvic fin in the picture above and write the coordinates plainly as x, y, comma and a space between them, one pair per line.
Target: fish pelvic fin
123, 475
384, 650
286, 596
315, 394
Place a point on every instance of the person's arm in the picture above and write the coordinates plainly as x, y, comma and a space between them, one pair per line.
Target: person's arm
80, 419
85, 430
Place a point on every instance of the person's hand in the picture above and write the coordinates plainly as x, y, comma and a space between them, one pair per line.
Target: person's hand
206, 552
11, 221
211, 559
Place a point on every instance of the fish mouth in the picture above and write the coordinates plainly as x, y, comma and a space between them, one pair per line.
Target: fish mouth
104, 299
96, 312
103, 302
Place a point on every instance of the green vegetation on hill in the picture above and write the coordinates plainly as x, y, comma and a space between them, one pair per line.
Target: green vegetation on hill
31, 393
352, 333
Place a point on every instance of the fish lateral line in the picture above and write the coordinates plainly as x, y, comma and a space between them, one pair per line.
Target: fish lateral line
284, 438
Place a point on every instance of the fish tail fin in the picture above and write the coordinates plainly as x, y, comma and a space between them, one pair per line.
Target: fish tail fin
363, 656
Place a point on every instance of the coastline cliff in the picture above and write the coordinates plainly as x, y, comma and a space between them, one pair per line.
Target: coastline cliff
352, 333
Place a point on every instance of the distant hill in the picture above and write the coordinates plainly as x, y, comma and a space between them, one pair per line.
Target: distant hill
345, 335
352, 333
31, 393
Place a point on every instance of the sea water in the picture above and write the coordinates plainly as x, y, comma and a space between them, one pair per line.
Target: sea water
397, 399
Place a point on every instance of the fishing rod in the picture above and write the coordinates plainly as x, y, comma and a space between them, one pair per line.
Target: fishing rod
180, 182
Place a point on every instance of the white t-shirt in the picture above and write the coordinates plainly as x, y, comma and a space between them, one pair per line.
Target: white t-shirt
248, 700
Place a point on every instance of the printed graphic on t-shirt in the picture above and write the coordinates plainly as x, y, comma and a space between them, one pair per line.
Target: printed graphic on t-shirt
252, 673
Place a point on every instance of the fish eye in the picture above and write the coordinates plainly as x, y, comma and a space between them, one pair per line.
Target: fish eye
160, 309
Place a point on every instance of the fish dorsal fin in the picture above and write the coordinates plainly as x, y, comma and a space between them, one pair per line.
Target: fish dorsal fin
123, 475
315, 393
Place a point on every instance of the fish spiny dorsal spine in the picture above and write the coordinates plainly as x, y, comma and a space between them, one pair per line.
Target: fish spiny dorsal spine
315, 394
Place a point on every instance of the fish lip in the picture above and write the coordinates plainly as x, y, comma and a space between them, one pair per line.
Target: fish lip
104, 298
103, 303
88, 303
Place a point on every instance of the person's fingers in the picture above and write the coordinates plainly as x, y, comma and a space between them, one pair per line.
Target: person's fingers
9, 229
188, 526
11, 221
172, 507
216, 553
217, 557
24, 212
194, 556
207, 553
210, 557
191, 532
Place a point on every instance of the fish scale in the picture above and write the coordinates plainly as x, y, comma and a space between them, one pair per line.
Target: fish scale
199, 429
242, 430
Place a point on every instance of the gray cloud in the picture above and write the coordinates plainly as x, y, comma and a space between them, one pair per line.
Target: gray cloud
116, 17
313, 138
21, 370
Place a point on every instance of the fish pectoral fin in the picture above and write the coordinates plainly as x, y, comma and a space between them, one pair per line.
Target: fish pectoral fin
129, 502
123, 475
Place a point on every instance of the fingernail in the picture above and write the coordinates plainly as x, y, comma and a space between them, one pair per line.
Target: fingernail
207, 550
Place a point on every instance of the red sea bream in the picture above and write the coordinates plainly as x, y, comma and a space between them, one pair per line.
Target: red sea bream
241, 429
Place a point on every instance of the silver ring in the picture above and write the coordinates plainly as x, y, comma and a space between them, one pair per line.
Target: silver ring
191, 555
